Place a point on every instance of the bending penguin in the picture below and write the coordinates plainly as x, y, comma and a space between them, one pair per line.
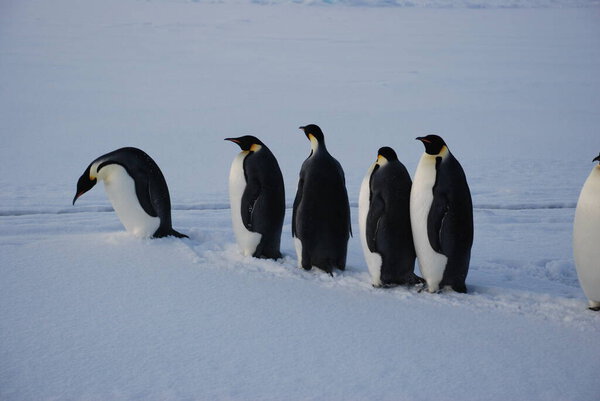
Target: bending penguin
321, 213
256, 193
384, 220
137, 190
586, 237
441, 214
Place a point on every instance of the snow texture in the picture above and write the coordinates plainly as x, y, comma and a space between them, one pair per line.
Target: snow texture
90, 312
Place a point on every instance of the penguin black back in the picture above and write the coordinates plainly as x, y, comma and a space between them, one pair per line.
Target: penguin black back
388, 230
321, 213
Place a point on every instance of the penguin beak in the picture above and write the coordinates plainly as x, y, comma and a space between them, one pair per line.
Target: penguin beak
77, 197
83, 185
422, 139
597, 159
234, 140
304, 130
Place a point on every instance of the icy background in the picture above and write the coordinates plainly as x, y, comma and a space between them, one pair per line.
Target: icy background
89, 313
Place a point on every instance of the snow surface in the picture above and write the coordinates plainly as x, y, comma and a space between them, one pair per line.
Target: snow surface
88, 312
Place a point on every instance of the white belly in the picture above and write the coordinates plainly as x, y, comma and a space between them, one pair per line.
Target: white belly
120, 189
246, 240
373, 259
586, 237
431, 263
298, 246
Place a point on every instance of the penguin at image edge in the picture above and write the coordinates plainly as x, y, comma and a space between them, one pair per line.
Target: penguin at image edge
384, 220
136, 189
441, 213
321, 213
586, 237
257, 197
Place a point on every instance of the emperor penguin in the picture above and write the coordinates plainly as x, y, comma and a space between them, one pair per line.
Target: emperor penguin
256, 194
137, 190
586, 237
441, 215
321, 213
384, 220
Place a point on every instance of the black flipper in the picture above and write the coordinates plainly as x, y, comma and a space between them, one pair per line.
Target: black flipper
436, 221
376, 210
249, 198
297, 201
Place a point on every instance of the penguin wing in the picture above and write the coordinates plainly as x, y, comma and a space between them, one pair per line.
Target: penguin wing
159, 199
249, 198
344, 199
437, 221
297, 201
374, 215
144, 194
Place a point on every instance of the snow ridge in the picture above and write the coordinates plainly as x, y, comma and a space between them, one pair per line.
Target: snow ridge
475, 4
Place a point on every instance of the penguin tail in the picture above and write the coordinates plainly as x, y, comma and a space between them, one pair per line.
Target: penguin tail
177, 234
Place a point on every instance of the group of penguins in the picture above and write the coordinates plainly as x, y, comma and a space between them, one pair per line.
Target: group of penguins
400, 220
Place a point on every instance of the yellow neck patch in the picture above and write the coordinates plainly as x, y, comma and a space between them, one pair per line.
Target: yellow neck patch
382, 161
314, 144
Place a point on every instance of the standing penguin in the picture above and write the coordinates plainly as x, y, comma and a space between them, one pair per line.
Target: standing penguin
384, 219
257, 199
441, 214
586, 237
321, 215
137, 190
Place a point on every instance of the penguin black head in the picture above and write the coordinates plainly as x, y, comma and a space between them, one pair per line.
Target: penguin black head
433, 144
246, 142
84, 184
314, 130
387, 153
597, 159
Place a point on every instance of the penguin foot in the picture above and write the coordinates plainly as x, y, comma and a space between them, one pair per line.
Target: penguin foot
168, 233
460, 288
385, 285
594, 308
413, 279
265, 256
427, 289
